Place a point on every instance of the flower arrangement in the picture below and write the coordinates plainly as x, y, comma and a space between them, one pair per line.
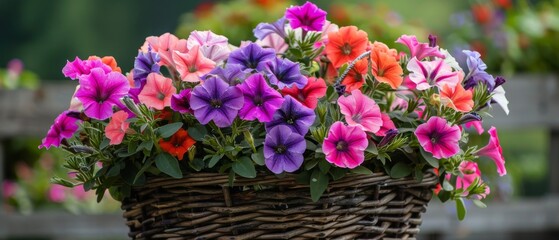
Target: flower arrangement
308, 98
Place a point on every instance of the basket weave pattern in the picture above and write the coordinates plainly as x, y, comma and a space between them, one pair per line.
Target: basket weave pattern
202, 206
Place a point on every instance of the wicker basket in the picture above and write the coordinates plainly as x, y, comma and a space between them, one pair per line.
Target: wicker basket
201, 206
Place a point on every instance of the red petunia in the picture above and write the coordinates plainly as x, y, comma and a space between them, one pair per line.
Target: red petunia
178, 144
309, 95
355, 78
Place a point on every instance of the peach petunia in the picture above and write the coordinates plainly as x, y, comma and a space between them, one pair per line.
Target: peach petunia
157, 92
109, 61
355, 78
385, 67
192, 65
457, 97
345, 45
117, 127
381, 47
165, 45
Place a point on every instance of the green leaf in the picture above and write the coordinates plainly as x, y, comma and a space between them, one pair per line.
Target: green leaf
148, 145
400, 170
104, 143
372, 148
168, 130
197, 164
444, 196
244, 167
418, 174
479, 203
429, 158
337, 173
114, 171
198, 132
447, 186
142, 170
214, 160
168, 165
62, 181
258, 157
460, 209
318, 184
311, 163
361, 170
324, 166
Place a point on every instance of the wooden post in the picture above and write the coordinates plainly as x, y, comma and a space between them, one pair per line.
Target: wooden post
554, 161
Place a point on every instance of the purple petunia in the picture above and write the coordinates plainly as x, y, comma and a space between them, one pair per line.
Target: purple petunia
261, 101
294, 115
232, 74
100, 91
216, 100
262, 30
79, 67
63, 128
251, 56
285, 73
144, 64
477, 72
283, 150
308, 17
181, 102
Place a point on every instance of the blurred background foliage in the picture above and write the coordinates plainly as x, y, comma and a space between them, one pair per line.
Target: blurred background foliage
513, 36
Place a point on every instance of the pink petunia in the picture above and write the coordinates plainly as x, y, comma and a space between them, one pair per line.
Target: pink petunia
192, 65
477, 126
469, 172
494, 151
56, 193
273, 41
165, 45
157, 92
419, 50
426, 74
345, 145
117, 127
387, 124
438, 137
360, 110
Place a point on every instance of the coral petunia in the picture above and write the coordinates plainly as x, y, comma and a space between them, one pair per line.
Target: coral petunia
438, 137
261, 100
345, 145
157, 92
457, 98
192, 65
309, 95
361, 111
345, 45
386, 68
494, 151
178, 144
355, 78
165, 45
117, 127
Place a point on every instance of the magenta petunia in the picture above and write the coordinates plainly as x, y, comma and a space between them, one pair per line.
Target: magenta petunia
181, 102
387, 124
494, 151
438, 137
308, 17
345, 145
100, 91
261, 101
78, 67
360, 110
419, 50
63, 128
426, 74
469, 173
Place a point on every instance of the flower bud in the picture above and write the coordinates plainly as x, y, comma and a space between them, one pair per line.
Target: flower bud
192, 153
129, 103
470, 117
390, 134
250, 140
435, 99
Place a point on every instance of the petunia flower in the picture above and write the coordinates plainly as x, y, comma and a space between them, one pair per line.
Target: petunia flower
192, 65
494, 151
214, 47
438, 137
264, 30
78, 67
345, 45
355, 78
457, 98
100, 91
500, 98
419, 50
345, 145
273, 41
294, 115
157, 92
285, 73
216, 100
109, 61
232, 74
383, 48
144, 64
181, 102
308, 17
309, 95
117, 127
477, 73
361, 111
431, 73
178, 144
63, 127
386, 68
260, 100
387, 125
251, 57
469, 172
165, 45
283, 150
